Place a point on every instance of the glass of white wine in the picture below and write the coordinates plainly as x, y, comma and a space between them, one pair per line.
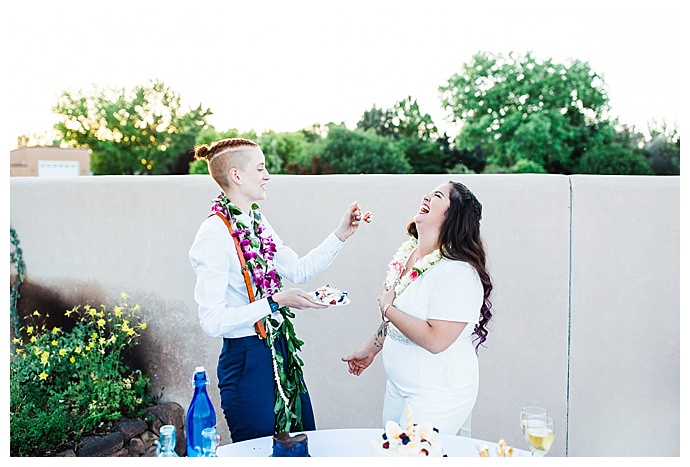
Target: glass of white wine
540, 434
529, 412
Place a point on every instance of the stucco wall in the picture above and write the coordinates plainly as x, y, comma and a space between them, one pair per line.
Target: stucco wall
586, 300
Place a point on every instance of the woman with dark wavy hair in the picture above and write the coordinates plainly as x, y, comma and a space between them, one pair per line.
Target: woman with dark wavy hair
435, 310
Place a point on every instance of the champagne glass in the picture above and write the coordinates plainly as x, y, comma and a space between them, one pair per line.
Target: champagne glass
529, 412
540, 434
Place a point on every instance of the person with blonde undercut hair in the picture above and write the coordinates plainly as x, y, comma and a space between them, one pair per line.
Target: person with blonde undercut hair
240, 262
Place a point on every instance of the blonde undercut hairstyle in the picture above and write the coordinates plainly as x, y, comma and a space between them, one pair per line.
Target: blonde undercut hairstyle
222, 155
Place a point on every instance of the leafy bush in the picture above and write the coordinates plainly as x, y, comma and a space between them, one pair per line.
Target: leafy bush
66, 385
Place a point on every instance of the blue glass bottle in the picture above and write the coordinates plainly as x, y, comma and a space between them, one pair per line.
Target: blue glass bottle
200, 413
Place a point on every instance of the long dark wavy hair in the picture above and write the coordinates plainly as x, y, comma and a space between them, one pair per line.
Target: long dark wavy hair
460, 240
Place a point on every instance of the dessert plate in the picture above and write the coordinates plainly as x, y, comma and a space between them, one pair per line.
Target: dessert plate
330, 296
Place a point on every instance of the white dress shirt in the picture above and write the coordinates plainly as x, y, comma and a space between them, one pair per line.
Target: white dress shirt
220, 291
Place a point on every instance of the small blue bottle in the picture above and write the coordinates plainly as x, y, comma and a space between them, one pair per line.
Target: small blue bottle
165, 446
210, 439
200, 413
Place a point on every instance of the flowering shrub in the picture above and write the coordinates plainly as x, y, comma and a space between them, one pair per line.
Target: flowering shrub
66, 385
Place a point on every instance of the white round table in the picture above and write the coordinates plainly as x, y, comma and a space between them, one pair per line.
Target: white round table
354, 442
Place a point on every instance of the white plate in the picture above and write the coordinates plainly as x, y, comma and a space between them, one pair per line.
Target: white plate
346, 301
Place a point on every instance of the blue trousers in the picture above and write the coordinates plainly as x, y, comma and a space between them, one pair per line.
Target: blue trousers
247, 388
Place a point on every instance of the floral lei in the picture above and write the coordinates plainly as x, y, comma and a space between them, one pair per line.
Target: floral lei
259, 251
397, 265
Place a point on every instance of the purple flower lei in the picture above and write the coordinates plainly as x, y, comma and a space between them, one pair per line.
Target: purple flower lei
257, 247
259, 251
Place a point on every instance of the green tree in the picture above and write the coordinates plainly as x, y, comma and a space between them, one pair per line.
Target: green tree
310, 159
663, 150
281, 149
615, 153
522, 108
359, 151
138, 131
405, 119
412, 131
378, 120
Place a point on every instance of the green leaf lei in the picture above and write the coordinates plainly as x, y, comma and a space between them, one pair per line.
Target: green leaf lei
287, 369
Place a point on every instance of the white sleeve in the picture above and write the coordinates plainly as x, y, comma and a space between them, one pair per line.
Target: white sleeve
457, 294
299, 270
220, 291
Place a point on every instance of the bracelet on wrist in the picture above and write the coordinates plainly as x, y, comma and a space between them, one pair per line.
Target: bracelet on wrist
383, 312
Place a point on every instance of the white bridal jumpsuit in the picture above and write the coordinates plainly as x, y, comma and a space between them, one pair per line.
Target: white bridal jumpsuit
440, 388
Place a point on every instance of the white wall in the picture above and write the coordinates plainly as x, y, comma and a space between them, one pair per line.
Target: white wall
586, 298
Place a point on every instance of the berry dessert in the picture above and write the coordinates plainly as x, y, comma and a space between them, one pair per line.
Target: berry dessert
330, 296
413, 440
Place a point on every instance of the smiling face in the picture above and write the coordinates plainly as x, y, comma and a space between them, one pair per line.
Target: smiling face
432, 211
252, 175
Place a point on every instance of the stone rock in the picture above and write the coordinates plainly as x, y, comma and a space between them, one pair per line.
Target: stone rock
67, 453
130, 427
136, 447
124, 452
147, 438
150, 452
101, 446
167, 413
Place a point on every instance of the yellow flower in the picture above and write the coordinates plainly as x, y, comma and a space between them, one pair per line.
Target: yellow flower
137, 307
33, 339
36, 313
62, 352
143, 325
100, 322
16, 341
72, 360
125, 326
54, 342
43, 375
44, 357
55, 330
69, 312
77, 350
94, 335
19, 350
118, 312
101, 340
124, 296
130, 332
92, 312
29, 329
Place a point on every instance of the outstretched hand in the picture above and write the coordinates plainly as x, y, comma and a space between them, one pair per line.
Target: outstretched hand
350, 222
359, 361
296, 298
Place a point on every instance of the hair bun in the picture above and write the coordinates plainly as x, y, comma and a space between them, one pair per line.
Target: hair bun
201, 152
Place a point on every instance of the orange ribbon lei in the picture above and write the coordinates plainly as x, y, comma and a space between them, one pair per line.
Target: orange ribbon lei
259, 325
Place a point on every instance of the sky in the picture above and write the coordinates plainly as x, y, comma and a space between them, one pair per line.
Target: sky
284, 65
